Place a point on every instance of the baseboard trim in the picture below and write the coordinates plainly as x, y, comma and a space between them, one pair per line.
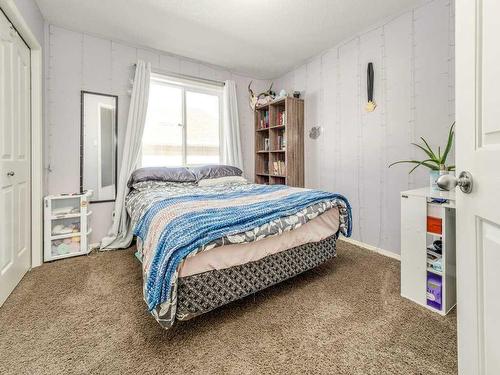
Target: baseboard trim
375, 249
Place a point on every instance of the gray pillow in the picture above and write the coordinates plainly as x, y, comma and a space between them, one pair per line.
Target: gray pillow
148, 185
179, 174
215, 171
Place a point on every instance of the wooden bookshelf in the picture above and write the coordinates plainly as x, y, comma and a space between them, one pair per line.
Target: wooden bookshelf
282, 123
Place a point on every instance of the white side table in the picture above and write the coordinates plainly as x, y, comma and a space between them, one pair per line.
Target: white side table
426, 217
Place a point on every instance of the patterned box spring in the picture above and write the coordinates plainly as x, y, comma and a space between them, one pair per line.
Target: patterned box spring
198, 294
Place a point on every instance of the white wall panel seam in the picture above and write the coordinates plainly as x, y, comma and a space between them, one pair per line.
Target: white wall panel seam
338, 130
383, 154
413, 112
321, 123
359, 149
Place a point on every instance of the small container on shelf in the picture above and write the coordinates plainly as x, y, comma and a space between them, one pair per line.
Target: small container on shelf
67, 227
434, 219
434, 290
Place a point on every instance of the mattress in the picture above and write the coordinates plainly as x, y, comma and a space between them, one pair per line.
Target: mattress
228, 256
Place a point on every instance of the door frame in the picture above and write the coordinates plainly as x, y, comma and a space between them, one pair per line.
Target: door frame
17, 20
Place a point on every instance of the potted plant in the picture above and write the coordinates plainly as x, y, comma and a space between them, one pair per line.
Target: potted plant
436, 162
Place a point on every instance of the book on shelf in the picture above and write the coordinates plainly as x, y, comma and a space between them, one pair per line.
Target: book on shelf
264, 120
281, 118
282, 142
279, 168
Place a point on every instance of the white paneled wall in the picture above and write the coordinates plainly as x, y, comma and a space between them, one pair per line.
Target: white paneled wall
78, 62
413, 57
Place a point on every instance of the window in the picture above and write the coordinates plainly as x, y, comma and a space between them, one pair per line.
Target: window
183, 123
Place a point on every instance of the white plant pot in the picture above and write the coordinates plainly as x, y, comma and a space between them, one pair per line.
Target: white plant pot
433, 177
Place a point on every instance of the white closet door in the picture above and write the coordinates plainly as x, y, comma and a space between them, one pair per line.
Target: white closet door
15, 118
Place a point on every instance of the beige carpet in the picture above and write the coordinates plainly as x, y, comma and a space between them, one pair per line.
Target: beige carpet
86, 315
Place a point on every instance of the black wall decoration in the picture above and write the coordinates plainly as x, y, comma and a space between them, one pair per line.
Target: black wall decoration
370, 106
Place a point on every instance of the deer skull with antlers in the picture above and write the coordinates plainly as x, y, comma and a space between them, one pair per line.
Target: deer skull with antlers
260, 99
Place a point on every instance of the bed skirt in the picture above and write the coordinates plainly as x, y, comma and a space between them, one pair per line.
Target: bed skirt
198, 294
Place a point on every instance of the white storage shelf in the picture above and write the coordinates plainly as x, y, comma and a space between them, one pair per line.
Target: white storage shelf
67, 226
424, 221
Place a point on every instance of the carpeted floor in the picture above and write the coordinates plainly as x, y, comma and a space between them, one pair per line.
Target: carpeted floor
86, 315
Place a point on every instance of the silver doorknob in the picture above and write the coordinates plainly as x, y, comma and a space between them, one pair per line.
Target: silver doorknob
10, 174
449, 182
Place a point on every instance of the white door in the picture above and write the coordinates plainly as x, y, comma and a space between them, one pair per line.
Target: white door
478, 213
15, 117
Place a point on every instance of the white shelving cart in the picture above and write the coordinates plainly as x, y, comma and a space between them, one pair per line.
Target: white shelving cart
428, 258
67, 225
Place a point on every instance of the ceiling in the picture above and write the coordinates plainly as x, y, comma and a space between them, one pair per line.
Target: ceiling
259, 38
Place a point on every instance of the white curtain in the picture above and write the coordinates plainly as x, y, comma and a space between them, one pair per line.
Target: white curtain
120, 235
231, 145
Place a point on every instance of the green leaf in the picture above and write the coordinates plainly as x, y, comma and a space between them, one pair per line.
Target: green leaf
419, 163
415, 167
423, 162
450, 142
430, 149
451, 168
429, 154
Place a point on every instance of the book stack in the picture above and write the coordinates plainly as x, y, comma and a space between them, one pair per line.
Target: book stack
264, 120
282, 142
281, 118
279, 168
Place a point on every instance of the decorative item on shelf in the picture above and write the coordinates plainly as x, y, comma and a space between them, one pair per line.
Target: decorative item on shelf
434, 291
371, 105
296, 94
266, 144
283, 94
315, 132
262, 98
435, 162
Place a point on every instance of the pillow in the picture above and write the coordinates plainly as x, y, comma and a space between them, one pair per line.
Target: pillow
222, 180
215, 171
179, 174
148, 185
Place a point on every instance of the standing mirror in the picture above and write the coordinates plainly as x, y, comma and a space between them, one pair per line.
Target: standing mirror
98, 145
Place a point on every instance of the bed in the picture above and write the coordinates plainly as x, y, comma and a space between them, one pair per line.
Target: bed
207, 237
